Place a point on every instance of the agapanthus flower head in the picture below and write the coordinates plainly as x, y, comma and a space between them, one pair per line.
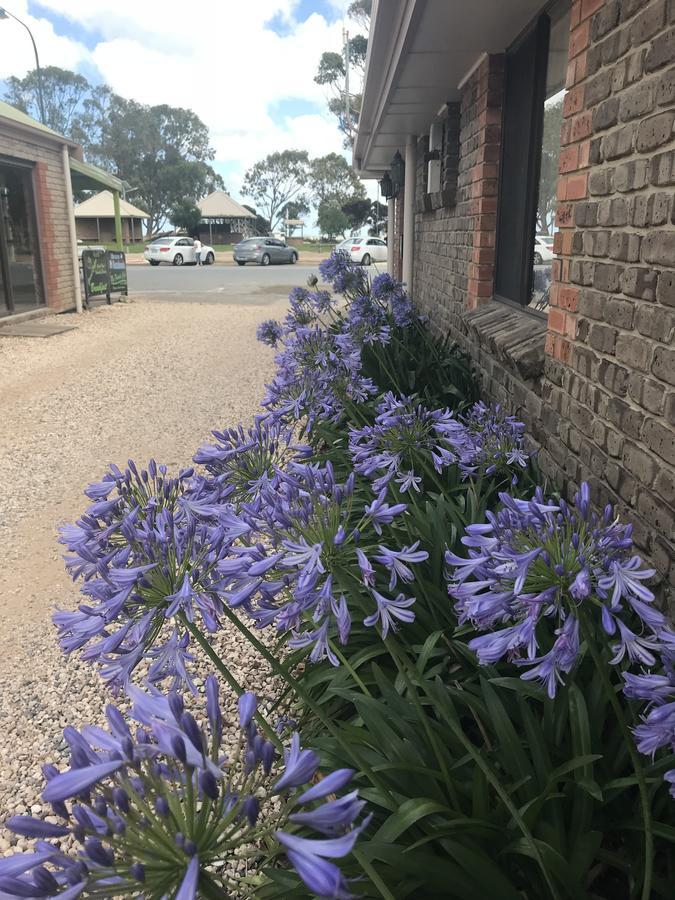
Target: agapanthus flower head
318, 372
344, 275
269, 332
160, 810
147, 555
248, 459
657, 688
391, 293
493, 443
323, 561
534, 568
405, 440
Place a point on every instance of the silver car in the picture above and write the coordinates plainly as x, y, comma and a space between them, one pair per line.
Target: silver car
264, 251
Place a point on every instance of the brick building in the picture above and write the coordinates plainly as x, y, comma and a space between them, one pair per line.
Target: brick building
38, 251
530, 149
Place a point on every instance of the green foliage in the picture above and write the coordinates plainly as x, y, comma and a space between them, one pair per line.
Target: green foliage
332, 180
65, 94
479, 784
331, 220
185, 214
277, 180
163, 152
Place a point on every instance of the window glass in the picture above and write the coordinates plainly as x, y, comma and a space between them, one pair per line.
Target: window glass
556, 68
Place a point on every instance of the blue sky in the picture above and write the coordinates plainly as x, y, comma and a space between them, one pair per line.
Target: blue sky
247, 69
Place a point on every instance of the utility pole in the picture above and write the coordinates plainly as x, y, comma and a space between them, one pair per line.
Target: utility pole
348, 110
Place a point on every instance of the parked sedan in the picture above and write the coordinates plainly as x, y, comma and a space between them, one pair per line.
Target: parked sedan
179, 251
543, 249
264, 251
364, 250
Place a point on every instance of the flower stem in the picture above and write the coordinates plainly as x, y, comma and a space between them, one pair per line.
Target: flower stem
601, 667
231, 680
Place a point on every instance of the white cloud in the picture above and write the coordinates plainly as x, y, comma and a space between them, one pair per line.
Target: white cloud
214, 57
16, 51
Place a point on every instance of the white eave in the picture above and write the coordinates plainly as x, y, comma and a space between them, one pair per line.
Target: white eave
419, 52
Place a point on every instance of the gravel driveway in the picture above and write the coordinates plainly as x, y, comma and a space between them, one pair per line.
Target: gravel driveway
139, 379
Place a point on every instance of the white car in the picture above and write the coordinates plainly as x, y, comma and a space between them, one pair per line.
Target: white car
543, 249
179, 251
364, 250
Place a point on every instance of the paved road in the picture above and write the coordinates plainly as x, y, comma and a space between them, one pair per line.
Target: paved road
232, 284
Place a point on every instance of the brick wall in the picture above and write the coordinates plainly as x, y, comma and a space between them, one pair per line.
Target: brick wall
55, 249
614, 318
596, 384
455, 243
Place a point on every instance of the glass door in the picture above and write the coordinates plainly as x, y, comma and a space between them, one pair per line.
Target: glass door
20, 287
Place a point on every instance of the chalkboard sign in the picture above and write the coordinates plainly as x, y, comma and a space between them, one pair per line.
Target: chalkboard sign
95, 273
117, 272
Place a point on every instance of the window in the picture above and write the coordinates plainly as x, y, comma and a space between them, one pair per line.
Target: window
535, 77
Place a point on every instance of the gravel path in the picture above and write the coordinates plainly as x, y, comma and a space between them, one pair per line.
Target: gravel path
140, 379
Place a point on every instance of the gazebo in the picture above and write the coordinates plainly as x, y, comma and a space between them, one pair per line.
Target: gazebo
224, 220
95, 219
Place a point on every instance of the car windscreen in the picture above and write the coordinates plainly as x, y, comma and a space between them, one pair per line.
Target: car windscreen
251, 241
163, 241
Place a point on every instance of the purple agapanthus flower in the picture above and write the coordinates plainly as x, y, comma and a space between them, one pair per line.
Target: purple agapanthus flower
161, 811
493, 443
148, 563
269, 332
247, 459
529, 570
657, 688
299, 576
405, 441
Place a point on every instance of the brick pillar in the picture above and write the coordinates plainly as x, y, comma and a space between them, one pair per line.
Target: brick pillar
573, 166
45, 225
480, 143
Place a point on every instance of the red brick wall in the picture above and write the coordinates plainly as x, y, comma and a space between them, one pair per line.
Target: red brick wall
612, 321
595, 383
52, 215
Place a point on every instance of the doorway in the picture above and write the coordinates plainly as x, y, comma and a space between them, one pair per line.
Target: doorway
20, 284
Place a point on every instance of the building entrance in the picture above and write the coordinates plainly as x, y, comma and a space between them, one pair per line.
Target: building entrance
20, 285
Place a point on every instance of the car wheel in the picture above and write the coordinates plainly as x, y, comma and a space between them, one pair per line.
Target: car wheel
241, 263
265, 261
537, 259
294, 258
366, 259
153, 262
178, 260
210, 259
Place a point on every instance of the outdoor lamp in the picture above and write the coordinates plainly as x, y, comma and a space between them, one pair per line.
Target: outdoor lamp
386, 186
397, 172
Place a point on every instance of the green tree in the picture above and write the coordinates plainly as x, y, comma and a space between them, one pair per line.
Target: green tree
333, 75
163, 151
185, 214
548, 175
276, 181
65, 96
331, 220
331, 178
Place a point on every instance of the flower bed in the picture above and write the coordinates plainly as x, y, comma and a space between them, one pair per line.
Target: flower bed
481, 662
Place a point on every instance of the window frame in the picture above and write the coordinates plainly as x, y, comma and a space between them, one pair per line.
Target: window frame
539, 29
